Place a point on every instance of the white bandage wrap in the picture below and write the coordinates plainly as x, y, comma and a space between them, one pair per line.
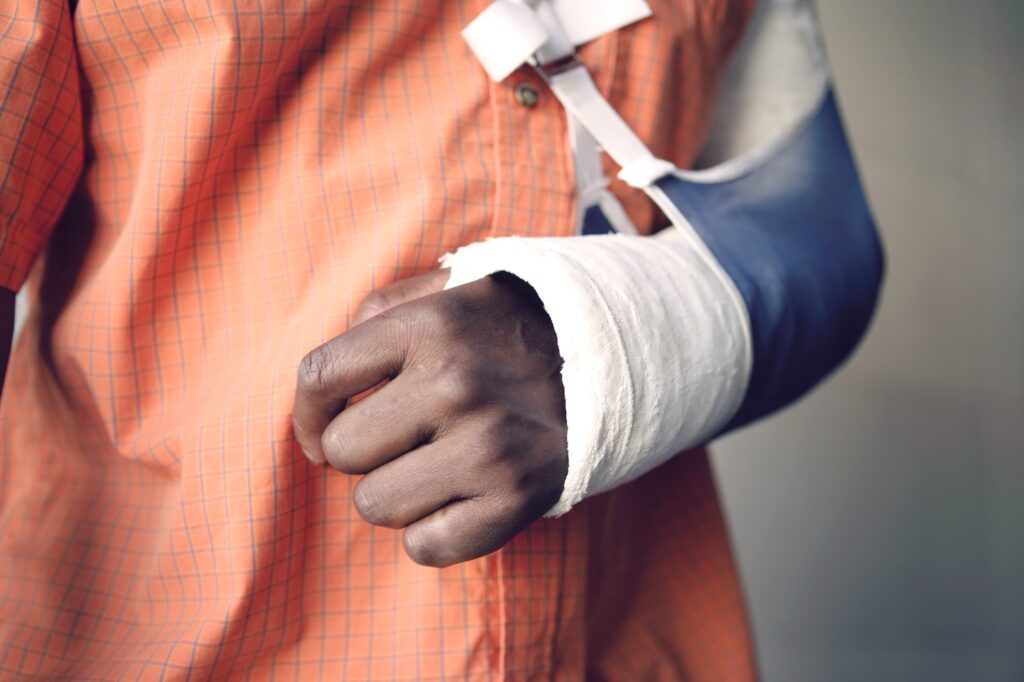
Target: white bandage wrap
655, 344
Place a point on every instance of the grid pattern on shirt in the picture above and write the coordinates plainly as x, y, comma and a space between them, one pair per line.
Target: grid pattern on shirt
251, 170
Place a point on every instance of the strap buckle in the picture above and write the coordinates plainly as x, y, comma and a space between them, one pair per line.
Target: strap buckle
551, 69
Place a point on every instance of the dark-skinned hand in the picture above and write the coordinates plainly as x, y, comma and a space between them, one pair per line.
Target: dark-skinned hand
465, 443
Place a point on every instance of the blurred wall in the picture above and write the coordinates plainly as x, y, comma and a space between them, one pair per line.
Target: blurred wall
880, 523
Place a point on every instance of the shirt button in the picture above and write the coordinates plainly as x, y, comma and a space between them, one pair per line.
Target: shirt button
527, 95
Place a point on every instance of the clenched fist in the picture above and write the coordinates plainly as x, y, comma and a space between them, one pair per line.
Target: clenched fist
465, 443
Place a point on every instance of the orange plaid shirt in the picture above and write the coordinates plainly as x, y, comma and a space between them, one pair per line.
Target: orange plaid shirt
203, 190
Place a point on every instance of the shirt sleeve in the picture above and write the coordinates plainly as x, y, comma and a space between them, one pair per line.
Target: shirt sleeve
41, 140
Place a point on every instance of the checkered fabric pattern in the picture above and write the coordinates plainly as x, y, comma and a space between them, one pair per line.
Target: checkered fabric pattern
204, 190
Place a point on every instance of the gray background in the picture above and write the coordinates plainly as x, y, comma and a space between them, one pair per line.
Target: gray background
880, 523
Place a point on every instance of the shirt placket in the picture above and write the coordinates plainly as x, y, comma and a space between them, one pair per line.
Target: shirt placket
534, 187
536, 583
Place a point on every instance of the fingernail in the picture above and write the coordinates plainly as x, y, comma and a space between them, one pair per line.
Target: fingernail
312, 457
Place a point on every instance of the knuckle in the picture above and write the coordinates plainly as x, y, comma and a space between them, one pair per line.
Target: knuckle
503, 437
442, 311
375, 302
371, 504
494, 526
442, 544
394, 329
513, 500
338, 451
497, 452
449, 315
421, 550
461, 386
523, 482
313, 371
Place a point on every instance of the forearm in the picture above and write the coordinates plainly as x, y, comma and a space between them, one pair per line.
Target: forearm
654, 342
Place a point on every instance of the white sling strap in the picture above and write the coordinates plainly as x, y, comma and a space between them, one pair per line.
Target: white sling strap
510, 33
579, 95
545, 33
504, 37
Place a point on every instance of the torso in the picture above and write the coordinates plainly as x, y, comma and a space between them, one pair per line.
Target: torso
255, 168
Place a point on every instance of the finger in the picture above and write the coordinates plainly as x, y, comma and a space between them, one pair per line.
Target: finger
467, 529
395, 419
415, 485
343, 367
402, 291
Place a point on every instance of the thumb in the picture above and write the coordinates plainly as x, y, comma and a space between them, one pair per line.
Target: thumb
397, 293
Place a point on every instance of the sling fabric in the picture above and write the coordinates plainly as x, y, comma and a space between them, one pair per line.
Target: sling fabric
203, 191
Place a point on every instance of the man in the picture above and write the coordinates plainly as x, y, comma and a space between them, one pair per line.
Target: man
211, 194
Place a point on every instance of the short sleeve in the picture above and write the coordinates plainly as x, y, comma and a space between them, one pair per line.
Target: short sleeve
41, 145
